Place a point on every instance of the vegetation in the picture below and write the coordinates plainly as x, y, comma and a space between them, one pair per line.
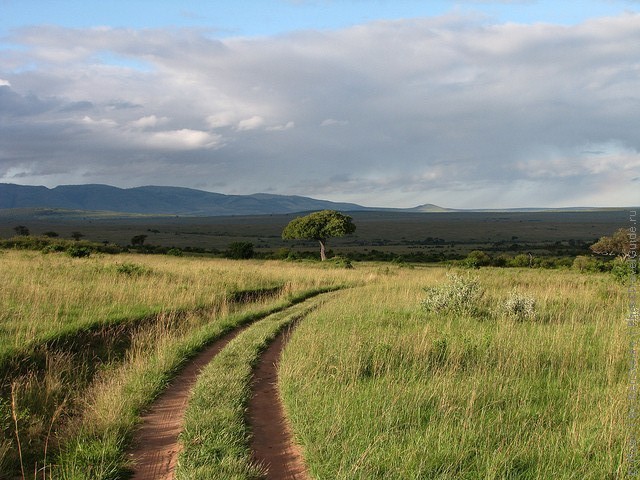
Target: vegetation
376, 387
240, 250
447, 372
216, 441
619, 244
87, 343
319, 226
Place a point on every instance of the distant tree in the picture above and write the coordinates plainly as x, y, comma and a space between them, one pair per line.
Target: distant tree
319, 226
138, 240
619, 244
76, 235
50, 234
240, 250
21, 230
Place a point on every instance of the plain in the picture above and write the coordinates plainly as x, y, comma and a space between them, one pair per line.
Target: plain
512, 373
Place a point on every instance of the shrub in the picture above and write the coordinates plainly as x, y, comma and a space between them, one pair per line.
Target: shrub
240, 250
176, 252
477, 259
340, 262
519, 306
461, 294
78, 252
53, 248
621, 270
520, 260
132, 269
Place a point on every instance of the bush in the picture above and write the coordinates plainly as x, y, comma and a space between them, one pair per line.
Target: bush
621, 270
519, 306
176, 252
521, 260
340, 262
132, 269
240, 250
53, 248
78, 252
461, 294
477, 259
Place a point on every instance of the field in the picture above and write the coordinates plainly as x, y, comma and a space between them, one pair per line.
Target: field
392, 371
443, 234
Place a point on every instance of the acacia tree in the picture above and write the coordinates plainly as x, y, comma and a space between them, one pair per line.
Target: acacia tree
618, 244
319, 226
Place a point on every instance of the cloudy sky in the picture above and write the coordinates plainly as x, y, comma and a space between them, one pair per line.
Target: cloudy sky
383, 102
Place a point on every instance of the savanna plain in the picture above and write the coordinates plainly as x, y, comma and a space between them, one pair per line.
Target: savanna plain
393, 371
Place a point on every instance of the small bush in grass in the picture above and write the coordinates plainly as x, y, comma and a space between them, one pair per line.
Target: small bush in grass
340, 262
78, 252
461, 294
133, 269
519, 306
176, 252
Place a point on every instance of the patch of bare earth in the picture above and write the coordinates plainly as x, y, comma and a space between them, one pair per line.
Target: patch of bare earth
155, 443
272, 443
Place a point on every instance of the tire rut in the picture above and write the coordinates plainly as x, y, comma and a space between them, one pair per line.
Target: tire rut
156, 445
272, 441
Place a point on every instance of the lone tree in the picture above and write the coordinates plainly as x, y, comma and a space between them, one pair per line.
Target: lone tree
619, 244
319, 226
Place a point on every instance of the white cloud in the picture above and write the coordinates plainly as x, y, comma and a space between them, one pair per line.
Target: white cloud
184, 139
4, 83
251, 123
329, 122
148, 121
281, 128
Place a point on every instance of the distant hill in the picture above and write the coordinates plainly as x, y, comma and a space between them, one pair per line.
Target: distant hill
154, 200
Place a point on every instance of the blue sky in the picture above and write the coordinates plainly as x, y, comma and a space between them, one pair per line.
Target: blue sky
269, 17
393, 103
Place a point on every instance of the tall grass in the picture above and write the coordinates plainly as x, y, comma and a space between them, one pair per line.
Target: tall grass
128, 322
378, 387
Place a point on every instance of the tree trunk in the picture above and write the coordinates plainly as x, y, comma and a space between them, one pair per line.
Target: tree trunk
323, 256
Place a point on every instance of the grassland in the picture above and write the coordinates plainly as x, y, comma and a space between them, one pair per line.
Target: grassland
83, 336
375, 385
394, 232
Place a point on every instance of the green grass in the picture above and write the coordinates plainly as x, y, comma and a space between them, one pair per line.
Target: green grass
101, 336
97, 445
376, 387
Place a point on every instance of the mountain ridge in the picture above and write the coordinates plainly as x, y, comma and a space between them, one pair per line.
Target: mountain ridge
161, 200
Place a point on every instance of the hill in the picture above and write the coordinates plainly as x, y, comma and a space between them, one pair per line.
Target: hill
156, 200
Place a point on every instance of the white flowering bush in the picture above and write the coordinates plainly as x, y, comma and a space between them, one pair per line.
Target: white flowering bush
461, 294
519, 306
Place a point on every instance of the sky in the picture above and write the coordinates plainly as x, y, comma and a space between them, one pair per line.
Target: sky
395, 103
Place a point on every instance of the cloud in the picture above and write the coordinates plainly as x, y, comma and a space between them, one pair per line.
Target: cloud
148, 121
252, 123
281, 128
449, 110
184, 139
329, 122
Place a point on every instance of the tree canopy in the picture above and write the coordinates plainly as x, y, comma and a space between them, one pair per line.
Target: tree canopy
618, 244
319, 226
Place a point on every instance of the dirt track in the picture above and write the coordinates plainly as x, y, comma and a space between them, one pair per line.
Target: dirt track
272, 442
156, 445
